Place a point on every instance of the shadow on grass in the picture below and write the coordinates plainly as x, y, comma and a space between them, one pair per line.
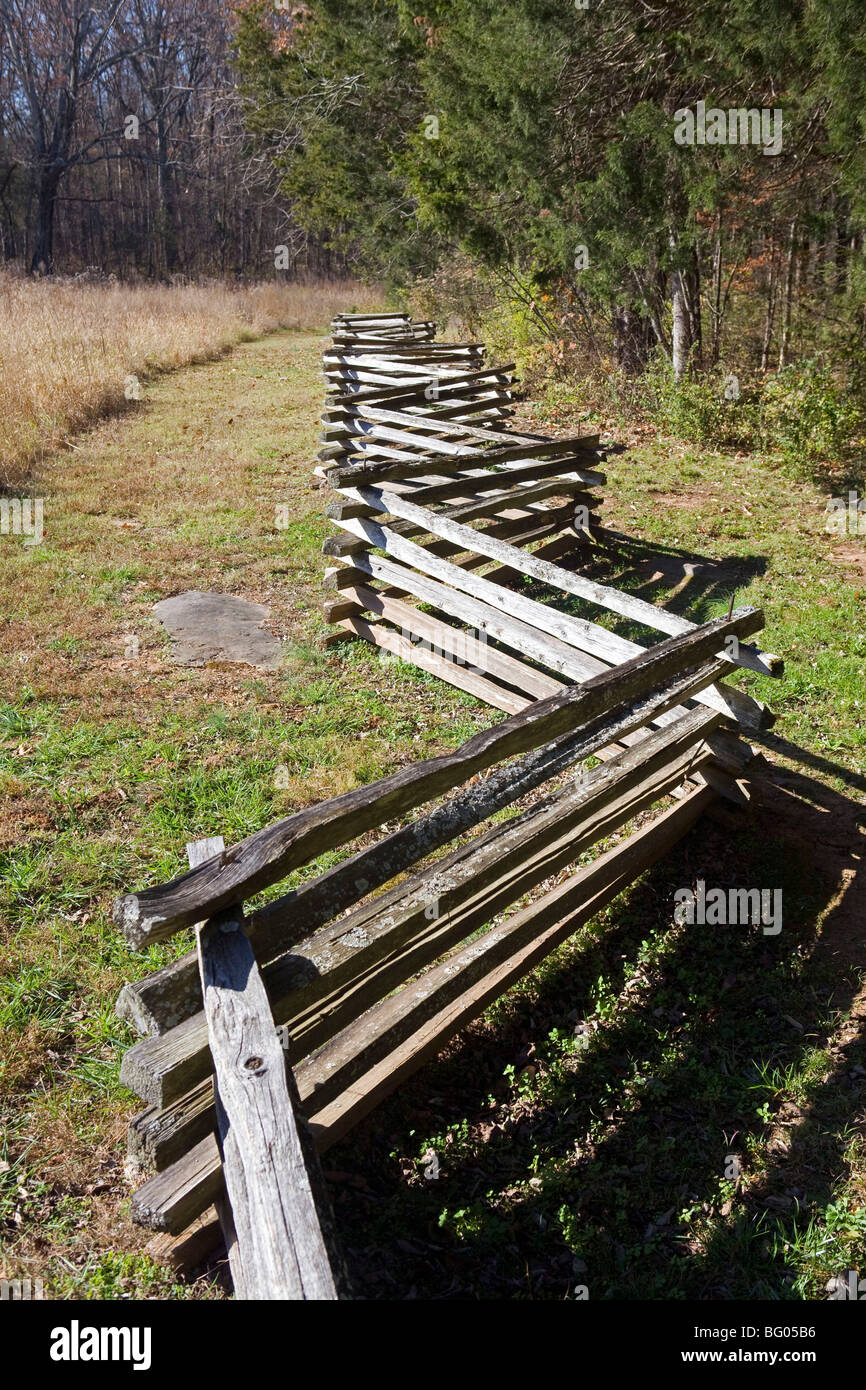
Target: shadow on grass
715, 1047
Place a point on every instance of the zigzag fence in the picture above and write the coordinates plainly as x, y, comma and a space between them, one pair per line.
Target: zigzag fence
299, 1011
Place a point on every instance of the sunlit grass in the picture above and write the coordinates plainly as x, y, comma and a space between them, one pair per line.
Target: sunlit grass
72, 351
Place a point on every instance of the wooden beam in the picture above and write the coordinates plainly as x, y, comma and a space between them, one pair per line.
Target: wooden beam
279, 1240
464, 985
586, 637
267, 856
378, 948
469, 649
614, 600
173, 994
364, 475
463, 677
574, 903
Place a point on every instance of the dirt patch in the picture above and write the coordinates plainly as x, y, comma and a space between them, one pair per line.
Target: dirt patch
851, 556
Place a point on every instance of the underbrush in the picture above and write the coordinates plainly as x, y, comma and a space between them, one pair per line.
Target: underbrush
810, 416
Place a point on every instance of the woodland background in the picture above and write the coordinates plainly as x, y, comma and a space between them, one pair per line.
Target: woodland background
460, 157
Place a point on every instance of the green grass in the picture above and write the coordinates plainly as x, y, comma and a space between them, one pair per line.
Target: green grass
606, 1166
110, 764
560, 1164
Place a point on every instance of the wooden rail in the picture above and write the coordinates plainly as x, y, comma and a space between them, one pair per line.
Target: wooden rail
363, 985
291, 1020
432, 493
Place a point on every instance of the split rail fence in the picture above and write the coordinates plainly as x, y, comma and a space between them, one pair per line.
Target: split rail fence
304, 1005
441, 515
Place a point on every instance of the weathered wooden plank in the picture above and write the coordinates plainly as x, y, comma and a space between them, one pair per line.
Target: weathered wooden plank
464, 678
279, 1240
392, 315
614, 600
491, 411
524, 531
428, 443
268, 855
198, 852
458, 642
494, 618
178, 996
485, 482
288, 919
427, 423
490, 408
361, 474
509, 515
367, 1037
175, 1197
415, 352
509, 860
378, 948
414, 333
198, 1244
446, 903
597, 886
160, 1135
335, 609
580, 633
521, 496
477, 380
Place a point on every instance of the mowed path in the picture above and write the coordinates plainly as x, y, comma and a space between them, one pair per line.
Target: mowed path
179, 493
112, 756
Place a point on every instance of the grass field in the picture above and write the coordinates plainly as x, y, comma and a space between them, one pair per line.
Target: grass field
606, 1167
74, 351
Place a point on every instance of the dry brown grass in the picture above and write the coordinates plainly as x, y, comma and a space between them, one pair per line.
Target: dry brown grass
68, 348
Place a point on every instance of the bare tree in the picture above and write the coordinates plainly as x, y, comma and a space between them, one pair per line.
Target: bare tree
59, 53
175, 59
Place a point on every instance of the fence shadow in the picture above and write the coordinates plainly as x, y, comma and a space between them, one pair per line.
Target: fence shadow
596, 1177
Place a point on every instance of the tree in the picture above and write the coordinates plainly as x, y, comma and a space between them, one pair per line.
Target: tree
538, 137
332, 97
60, 53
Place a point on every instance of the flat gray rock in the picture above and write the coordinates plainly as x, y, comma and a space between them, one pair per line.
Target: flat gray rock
217, 627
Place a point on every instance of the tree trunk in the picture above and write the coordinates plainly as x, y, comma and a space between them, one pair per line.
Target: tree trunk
165, 200
42, 260
692, 287
716, 308
786, 303
680, 343
682, 339
632, 339
771, 305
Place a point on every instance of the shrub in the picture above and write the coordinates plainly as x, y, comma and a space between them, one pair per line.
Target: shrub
814, 417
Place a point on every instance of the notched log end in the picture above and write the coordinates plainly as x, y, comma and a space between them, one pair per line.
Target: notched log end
129, 1008
138, 926
138, 1080
144, 1215
128, 916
